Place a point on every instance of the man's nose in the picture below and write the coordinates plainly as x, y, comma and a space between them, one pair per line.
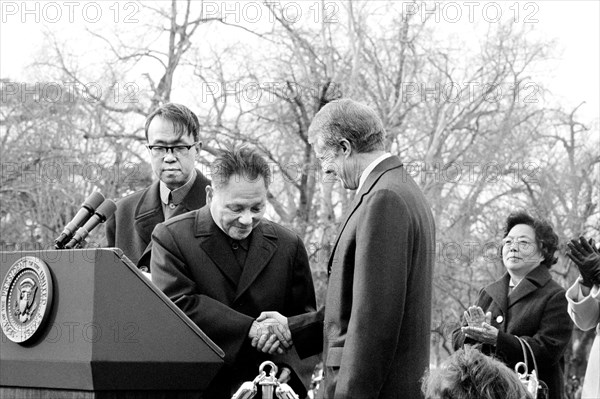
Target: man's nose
169, 156
246, 218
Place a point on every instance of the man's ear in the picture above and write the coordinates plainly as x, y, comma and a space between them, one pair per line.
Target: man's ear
209, 194
198, 147
346, 147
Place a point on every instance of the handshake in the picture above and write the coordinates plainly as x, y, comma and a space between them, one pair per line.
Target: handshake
270, 333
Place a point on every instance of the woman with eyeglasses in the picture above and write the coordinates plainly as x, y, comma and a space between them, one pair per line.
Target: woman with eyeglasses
524, 303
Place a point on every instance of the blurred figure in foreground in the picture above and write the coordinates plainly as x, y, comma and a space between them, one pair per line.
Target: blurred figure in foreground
584, 306
469, 374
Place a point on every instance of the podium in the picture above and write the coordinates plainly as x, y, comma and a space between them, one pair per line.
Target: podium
86, 323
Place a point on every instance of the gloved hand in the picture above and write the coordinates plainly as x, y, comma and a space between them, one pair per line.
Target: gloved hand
587, 259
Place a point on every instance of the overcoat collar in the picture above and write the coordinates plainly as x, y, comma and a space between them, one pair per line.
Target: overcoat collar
213, 241
538, 277
390, 163
498, 291
149, 213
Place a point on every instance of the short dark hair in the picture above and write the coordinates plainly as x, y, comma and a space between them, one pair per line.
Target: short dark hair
184, 120
243, 161
469, 374
350, 120
544, 234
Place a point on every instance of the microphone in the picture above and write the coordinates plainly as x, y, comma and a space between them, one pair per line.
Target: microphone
87, 210
104, 211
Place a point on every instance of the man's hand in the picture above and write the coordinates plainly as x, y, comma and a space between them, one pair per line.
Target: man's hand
263, 337
270, 333
587, 259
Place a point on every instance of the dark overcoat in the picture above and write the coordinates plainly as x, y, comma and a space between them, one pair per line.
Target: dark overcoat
193, 264
377, 313
536, 310
130, 228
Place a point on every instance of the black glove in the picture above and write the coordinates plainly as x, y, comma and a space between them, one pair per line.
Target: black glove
587, 259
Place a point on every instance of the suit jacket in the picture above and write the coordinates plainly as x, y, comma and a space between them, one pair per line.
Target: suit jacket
536, 310
130, 228
378, 308
193, 264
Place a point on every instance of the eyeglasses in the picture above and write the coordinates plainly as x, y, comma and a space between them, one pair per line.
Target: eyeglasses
521, 244
160, 151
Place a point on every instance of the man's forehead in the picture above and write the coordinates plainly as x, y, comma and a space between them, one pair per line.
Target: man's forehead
183, 140
246, 200
317, 142
241, 186
162, 125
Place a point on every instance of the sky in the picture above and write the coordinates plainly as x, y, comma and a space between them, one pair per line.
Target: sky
571, 75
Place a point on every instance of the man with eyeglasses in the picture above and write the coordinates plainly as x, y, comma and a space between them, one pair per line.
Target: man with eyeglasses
172, 133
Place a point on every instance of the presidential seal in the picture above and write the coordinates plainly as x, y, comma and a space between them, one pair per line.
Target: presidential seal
25, 298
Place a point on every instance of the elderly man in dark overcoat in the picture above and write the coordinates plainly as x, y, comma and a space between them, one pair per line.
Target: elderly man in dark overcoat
377, 312
224, 264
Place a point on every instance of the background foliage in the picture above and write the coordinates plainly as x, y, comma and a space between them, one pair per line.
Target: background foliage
474, 128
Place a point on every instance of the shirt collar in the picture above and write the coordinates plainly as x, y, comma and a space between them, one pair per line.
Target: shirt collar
245, 243
178, 194
369, 169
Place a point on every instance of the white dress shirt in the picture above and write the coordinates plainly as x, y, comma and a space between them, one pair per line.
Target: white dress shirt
369, 169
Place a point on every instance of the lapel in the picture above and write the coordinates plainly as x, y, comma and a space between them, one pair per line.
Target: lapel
536, 278
214, 243
389, 163
498, 291
148, 213
263, 246
196, 197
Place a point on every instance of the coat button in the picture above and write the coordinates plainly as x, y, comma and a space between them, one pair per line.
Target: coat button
499, 319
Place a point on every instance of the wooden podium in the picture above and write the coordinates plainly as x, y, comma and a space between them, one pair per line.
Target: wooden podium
108, 331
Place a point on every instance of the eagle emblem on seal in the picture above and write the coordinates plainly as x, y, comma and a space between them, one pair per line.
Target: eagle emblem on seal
25, 299
25, 303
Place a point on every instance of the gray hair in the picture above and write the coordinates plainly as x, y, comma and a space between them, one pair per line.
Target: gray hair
243, 161
350, 120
